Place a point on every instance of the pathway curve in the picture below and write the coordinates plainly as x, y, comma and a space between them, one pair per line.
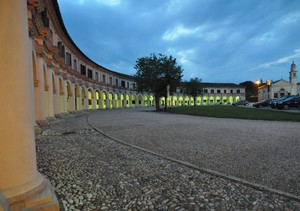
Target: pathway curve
92, 172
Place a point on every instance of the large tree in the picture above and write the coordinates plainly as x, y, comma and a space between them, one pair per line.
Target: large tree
251, 90
157, 74
194, 88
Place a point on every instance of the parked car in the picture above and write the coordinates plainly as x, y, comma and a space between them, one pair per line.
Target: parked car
291, 102
263, 103
241, 102
273, 103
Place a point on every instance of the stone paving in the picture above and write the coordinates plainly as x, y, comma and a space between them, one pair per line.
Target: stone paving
92, 172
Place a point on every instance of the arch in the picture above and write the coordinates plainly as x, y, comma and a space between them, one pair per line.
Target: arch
134, 101
122, 101
90, 98
146, 100
151, 98
218, 100
181, 101
211, 100
237, 98
230, 100
69, 96
127, 101
186, 101
198, 100
162, 101
46, 94
77, 97
110, 98
97, 98
104, 97
169, 101
205, 100
140, 100
61, 96
83, 98
175, 100
117, 105
224, 100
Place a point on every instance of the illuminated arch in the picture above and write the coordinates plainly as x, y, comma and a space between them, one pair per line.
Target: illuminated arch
83, 98
97, 98
151, 99
237, 98
175, 101
198, 100
187, 101
134, 101
110, 98
127, 101
218, 100
205, 100
77, 97
104, 98
140, 100
61, 96
230, 100
181, 101
90, 98
146, 100
122, 101
69, 96
224, 100
211, 100
117, 100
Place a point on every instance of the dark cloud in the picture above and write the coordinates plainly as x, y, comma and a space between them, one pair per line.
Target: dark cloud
218, 41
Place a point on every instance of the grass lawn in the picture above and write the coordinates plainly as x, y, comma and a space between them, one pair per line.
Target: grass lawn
222, 111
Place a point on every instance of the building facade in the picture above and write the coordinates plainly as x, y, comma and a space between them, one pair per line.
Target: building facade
280, 88
44, 75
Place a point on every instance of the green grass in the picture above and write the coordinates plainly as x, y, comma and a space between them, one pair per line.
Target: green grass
221, 111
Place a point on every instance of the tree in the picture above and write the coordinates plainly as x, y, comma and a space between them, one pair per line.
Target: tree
193, 87
156, 73
251, 90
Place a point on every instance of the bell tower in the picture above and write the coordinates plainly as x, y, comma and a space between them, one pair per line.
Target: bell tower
293, 79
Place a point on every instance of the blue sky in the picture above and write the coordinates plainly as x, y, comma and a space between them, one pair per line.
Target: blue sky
215, 40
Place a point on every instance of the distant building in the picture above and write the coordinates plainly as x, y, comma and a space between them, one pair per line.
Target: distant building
213, 93
279, 88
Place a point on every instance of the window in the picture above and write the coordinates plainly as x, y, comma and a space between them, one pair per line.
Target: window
205, 91
127, 84
212, 91
82, 70
110, 80
275, 95
90, 73
238, 91
103, 79
96, 76
117, 82
123, 83
225, 91
61, 49
68, 60
133, 85
218, 91
231, 91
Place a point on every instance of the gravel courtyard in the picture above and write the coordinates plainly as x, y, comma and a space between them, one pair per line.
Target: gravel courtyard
93, 172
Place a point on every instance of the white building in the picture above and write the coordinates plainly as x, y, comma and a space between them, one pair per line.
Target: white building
279, 88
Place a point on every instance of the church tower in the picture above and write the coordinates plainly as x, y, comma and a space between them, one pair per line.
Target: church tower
293, 79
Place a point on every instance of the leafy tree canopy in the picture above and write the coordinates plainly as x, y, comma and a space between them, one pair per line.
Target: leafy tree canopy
193, 87
155, 73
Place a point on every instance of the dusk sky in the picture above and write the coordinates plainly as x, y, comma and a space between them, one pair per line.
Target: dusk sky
215, 40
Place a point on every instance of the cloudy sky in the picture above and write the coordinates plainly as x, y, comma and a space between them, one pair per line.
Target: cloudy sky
215, 40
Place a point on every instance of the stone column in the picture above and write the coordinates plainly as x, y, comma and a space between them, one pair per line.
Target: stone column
21, 186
